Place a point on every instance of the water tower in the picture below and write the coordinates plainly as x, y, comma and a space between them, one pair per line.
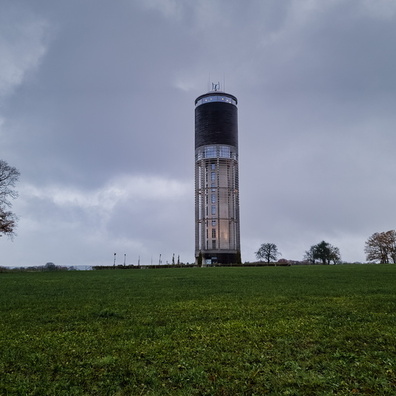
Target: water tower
217, 229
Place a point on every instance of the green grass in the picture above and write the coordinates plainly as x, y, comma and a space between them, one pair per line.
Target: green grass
316, 330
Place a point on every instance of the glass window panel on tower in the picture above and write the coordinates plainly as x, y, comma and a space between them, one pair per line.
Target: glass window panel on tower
210, 152
225, 152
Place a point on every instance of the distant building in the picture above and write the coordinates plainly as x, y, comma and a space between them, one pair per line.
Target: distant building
217, 230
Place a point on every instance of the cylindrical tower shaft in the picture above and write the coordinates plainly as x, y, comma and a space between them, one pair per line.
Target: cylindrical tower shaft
217, 235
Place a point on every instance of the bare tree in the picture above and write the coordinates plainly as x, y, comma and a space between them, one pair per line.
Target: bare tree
381, 247
8, 178
335, 255
268, 252
309, 255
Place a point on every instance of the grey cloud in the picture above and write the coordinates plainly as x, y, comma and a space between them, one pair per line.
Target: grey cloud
22, 46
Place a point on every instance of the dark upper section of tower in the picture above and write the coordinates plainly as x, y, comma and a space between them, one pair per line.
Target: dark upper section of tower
216, 119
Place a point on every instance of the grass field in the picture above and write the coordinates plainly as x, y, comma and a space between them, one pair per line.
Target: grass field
303, 330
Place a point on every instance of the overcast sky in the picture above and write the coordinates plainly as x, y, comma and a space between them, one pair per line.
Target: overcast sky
97, 113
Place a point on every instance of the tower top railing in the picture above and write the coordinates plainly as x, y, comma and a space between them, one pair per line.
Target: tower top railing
216, 96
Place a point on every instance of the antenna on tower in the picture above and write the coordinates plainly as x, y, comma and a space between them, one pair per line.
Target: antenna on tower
216, 86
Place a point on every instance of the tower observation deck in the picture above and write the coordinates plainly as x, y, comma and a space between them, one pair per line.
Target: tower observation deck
217, 231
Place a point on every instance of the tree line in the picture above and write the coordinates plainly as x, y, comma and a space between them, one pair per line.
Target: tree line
379, 248
48, 267
323, 252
